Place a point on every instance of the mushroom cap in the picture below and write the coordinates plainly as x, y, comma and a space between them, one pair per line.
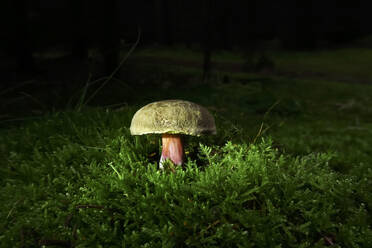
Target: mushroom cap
173, 117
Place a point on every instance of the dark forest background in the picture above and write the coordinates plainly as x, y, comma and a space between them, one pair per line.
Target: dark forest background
75, 26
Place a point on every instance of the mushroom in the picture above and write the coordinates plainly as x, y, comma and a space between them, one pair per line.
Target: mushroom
172, 119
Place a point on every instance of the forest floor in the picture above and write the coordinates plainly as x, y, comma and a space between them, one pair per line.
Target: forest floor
290, 164
60, 78
347, 61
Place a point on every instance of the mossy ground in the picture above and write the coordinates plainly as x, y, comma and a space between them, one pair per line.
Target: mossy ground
289, 166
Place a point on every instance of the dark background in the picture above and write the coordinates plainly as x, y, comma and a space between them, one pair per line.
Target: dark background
73, 26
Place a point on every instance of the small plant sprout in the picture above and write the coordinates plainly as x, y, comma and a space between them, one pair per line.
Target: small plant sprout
172, 119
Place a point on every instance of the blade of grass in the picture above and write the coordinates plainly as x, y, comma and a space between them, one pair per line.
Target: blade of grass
261, 131
116, 69
16, 87
82, 97
34, 99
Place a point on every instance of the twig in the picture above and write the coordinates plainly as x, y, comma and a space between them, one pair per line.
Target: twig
209, 227
328, 240
68, 220
116, 69
90, 206
14, 205
74, 232
50, 242
3, 92
212, 225
22, 237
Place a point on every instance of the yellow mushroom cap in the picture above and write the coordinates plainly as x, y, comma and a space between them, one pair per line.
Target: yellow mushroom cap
173, 117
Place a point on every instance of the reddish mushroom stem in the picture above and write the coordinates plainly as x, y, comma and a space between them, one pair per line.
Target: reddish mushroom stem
172, 149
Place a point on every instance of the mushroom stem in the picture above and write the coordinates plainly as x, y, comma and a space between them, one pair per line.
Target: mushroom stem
172, 149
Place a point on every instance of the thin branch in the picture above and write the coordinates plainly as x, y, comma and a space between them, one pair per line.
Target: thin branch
117, 68
52, 242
